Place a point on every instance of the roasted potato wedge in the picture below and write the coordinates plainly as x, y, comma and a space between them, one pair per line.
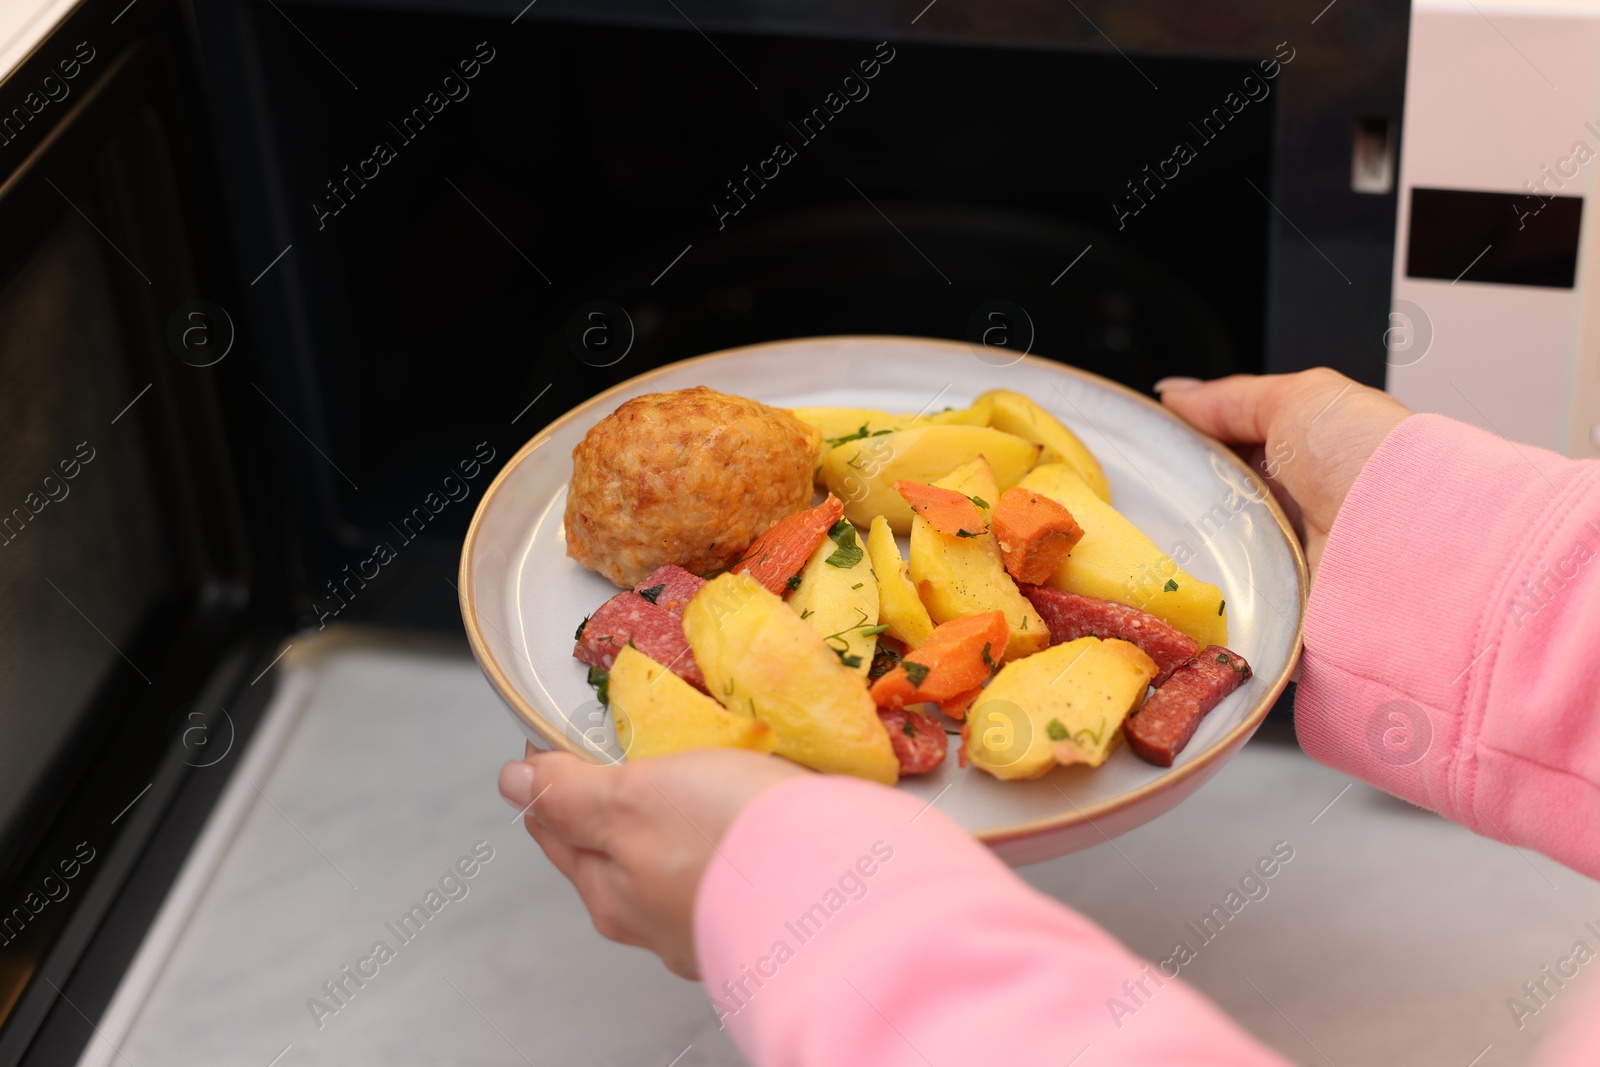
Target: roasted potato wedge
976, 415
957, 576
1017, 414
1115, 561
899, 606
658, 713
862, 473
759, 657
1065, 705
838, 597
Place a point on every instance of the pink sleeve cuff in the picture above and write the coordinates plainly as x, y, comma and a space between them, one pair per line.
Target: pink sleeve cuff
1450, 642
844, 924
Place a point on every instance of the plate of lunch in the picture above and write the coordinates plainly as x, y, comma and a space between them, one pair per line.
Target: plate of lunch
1030, 596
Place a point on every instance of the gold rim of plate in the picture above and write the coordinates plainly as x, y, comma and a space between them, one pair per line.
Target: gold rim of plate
535, 719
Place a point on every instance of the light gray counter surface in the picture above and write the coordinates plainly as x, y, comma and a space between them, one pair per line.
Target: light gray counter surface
1391, 937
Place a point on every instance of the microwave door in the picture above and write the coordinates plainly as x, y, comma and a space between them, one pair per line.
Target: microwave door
141, 578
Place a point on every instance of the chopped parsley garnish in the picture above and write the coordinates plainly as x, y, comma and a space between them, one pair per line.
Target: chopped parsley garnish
884, 660
988, 660
601, 680
579, 635
967, 533
793, 582
1024, 625
849, 553
1222, 657
917, 672
1221, 606
907, 729
1056, 731
1171, 586
978, 500
806, 614
843, 647
653, 592
1092, 735
858, 585
835, 442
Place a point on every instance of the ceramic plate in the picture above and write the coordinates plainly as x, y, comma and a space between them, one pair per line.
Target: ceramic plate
522, 597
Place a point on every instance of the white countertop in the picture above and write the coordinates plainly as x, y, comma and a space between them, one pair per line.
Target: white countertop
1391, 937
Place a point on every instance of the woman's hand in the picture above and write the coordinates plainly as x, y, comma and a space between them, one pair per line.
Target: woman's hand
1309, 434
635, 838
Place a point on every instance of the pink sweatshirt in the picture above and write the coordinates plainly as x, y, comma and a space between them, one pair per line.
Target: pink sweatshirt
1449, 659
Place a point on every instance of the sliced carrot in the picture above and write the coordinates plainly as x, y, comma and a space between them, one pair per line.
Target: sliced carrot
947, 511
777, 555
956, 707
1035, 534
958, 656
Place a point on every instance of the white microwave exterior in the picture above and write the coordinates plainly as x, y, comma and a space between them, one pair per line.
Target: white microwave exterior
1498, 95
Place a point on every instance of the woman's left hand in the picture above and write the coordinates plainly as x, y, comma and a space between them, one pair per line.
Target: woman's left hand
636, 838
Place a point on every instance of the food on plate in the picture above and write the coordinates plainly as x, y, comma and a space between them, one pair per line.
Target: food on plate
1064, 705
837, 595
657, 713
918, 739
1071, 616
1115, 561
862, 472
947, 511
1170, 716
839, 425
775, 557
1035, 534
632, 619
900, 607
959, 576
669, 586
1016, 414
958, 657
690, 477
761, 658
956, 706
1027, 608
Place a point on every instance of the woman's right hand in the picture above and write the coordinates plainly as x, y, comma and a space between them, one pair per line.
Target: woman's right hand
1309, 434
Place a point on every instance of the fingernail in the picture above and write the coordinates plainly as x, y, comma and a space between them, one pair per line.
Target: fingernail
516, 783
1176, 384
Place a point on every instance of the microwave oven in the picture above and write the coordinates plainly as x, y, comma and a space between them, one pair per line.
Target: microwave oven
1496, 283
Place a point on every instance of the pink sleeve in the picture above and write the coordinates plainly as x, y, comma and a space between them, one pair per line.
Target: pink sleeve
842, 924
1451, 644
1452, 636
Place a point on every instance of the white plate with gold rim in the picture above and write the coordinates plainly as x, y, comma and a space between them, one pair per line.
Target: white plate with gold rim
522, 597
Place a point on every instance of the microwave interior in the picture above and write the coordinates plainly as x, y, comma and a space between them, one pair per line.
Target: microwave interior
592, 162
